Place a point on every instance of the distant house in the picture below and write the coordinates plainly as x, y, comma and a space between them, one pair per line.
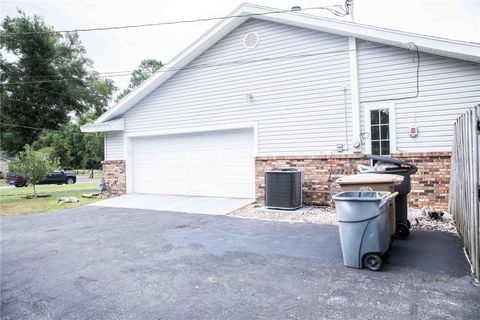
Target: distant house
290, 89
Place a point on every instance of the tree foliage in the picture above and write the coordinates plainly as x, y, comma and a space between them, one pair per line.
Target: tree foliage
33, 165
145, 70
73, 148
47, 82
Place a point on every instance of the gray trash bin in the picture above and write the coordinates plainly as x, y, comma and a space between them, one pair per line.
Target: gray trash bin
364, 227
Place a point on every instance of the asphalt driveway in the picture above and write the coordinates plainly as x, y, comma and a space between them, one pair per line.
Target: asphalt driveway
111, 263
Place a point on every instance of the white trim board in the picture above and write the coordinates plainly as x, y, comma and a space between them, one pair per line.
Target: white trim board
432, 45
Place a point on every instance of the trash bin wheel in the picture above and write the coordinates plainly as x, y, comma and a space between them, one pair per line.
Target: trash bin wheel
409, 225
373, 262
402, 231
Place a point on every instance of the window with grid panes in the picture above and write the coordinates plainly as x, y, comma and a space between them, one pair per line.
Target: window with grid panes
380, 131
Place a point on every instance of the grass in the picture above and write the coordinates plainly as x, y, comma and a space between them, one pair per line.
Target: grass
49, 188
19, 206
82, 173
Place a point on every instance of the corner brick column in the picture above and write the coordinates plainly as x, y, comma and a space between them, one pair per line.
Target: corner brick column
115, 177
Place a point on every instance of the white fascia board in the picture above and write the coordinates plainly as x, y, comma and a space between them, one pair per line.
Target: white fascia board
446, 47
114, 125
452, 48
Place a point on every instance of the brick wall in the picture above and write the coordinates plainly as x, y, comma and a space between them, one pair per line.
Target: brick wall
320, 173
429, 185
114, 175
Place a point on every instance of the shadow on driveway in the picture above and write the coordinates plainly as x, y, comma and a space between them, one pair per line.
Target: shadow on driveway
110, 263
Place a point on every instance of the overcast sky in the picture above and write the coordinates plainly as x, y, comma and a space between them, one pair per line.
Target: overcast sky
124, 49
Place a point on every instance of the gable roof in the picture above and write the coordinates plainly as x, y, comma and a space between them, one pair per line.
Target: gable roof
467, 51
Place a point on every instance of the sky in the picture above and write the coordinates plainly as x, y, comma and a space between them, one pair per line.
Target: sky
119, 50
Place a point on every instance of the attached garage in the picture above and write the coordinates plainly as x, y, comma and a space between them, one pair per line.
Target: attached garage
218, 163
184, 132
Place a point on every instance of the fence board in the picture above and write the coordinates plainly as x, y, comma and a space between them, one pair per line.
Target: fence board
464, 200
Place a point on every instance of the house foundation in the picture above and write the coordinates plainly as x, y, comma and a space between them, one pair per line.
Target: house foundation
429, 184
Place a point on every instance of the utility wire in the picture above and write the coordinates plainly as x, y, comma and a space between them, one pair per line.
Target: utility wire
223, 64
27, 127
96, 73
332, 9
40, 129
417, 76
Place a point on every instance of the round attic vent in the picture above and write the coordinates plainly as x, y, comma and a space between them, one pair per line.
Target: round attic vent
250, 40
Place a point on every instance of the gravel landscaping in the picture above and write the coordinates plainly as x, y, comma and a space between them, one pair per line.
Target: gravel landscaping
326, 215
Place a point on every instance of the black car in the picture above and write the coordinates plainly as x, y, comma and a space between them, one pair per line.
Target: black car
56, 177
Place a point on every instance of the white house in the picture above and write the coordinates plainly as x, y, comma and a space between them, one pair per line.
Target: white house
267, 90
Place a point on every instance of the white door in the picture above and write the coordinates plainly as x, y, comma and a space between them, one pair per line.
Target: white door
219, 163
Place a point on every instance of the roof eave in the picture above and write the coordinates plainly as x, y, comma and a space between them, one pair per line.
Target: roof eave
107, 126
444, 47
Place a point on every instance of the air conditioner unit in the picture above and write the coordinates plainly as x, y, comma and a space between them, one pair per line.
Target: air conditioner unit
283, 189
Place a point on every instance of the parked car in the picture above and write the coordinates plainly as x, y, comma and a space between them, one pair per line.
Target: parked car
56, 177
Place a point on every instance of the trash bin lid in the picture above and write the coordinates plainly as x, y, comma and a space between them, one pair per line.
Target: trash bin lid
370, 178
288, 169
400, 164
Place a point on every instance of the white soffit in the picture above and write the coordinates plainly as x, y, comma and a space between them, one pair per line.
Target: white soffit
114, 125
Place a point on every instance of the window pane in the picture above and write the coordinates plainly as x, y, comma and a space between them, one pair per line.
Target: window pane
375, 133
385, 148
374, 116
384, 132
384, 116
376, 147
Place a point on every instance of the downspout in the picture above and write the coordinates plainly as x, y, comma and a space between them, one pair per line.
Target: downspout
345, 116
355, 96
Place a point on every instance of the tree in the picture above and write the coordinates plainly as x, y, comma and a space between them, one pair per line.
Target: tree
73, 148
145, 70
33, 166
48, 80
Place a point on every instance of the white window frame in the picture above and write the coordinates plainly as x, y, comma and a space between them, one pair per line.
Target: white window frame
391, 122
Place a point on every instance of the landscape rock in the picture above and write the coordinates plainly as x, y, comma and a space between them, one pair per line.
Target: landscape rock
67, 200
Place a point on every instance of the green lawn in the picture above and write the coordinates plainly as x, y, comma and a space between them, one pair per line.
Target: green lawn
97, 174
49, 188
19, 206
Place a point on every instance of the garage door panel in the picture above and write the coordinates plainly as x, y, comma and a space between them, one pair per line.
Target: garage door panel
209, 164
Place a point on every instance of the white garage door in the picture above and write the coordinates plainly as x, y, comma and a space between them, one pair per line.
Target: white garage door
217, 164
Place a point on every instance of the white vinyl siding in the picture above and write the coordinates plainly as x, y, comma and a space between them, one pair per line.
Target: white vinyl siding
448, 87
114, 146
297, 102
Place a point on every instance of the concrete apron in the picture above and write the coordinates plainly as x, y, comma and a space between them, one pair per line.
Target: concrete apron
176, 203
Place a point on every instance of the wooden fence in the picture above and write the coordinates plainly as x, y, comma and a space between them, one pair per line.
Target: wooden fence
464, 201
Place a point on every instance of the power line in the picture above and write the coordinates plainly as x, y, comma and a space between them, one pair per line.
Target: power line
96, 73
26, 127
344, 10
223, 64
40, 129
